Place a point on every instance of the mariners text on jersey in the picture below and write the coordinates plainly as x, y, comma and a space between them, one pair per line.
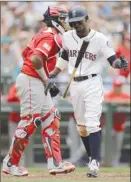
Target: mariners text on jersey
96, 53
87, 55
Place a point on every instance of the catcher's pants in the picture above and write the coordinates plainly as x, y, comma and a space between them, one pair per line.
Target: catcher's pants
32, 97
36, 107
87, 98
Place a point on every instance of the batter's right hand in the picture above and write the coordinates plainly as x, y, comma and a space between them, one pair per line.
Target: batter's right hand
49, 84
51, 87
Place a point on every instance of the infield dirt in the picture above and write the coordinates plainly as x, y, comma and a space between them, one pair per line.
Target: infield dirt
41, 175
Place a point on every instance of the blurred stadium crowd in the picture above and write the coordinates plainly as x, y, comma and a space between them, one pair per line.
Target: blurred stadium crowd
21, 20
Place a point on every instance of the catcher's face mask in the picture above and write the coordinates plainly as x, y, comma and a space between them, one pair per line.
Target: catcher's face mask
58, 18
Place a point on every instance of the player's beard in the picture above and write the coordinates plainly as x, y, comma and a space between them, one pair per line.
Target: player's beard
79, 28
80, 31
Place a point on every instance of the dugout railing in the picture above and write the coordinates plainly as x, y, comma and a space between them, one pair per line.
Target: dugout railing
34, 152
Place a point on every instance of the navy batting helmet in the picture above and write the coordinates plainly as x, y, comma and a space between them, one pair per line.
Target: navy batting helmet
77, 13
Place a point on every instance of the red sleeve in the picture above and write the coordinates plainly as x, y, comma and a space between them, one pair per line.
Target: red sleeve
25, 52
12, 95
45, 46
40, 54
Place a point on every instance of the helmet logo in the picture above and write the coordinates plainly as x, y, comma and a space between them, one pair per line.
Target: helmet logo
74, 13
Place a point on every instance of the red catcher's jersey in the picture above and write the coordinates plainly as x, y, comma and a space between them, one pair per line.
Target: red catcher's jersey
47, 42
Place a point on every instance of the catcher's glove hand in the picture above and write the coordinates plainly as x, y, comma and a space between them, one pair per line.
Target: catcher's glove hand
51, 87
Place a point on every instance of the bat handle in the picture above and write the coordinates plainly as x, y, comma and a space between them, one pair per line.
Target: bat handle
67, 88
65, 93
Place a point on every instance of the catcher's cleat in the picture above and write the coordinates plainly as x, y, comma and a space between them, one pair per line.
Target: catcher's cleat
62, 168
93, 169
13, 169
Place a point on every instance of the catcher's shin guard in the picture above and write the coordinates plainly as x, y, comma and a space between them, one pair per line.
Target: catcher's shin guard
25, 129
51, 138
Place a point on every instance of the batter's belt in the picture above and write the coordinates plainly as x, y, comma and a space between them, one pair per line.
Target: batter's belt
82, 78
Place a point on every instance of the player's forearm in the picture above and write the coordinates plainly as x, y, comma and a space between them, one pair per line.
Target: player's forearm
61, 63
38, 65
55, 72
117, 63
60, 66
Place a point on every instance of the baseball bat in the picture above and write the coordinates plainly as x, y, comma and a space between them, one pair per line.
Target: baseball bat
78, 60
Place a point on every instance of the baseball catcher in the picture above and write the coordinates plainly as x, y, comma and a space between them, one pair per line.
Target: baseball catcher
36, 107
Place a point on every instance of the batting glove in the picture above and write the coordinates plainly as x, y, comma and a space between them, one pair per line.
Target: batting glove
121, 63
124, 63
51, 87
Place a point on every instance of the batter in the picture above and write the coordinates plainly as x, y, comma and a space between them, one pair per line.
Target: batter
86, 89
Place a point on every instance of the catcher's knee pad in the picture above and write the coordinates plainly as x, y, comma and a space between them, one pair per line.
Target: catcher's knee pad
49, 117
51, 138
82, 130
27, 126
25, 129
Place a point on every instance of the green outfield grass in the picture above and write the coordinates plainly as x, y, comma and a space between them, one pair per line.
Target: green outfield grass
41, 175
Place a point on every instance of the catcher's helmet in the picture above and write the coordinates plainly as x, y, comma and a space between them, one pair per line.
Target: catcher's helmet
77, 13
53, 15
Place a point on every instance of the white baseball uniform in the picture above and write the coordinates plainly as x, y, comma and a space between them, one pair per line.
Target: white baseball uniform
87, 95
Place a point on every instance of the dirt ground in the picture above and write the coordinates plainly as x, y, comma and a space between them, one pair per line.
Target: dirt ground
78, 175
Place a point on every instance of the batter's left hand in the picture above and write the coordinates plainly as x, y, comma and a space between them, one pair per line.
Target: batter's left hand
124, 63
